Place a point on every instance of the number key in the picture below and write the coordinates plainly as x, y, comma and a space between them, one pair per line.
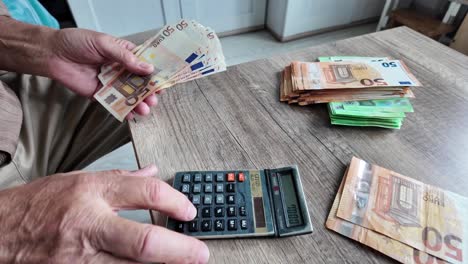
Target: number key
219, 199
219, 177
196, 199
193, 226
197, 177
208, 177
197, 188
207, 199
208, 188
219, 188
185, 188
186, 178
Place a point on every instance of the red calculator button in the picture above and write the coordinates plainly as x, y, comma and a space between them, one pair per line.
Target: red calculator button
241, 177
231, 177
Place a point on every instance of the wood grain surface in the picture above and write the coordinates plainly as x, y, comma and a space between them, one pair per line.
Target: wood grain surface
234, 120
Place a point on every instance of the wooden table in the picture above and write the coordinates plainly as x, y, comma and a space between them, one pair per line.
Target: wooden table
234, 120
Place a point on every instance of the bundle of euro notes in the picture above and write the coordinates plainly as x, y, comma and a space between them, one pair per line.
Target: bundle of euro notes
361, 91
388, 113
180, 52
403, 218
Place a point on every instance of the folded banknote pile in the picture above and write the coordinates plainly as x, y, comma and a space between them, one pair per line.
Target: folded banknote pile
401, 217
388, 113
361, 91
180, 52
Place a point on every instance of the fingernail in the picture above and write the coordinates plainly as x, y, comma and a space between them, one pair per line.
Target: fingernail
149, 170
192, 212
144, 65
204, 255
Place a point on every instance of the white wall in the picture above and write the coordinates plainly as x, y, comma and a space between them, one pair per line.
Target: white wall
292, 17
123, 17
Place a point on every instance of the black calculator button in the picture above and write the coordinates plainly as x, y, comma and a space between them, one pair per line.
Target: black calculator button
206, 225
208, 177
197, 188
230, 187
197, 177
186, 178
193, 226
231, 199
219, 225
219, 177
231, 211
219, 212
196, 199
208, 188
219, 199
232, 225
219, 188
206, 212
207, 199
185, 188
242, 211
198, 212
179, 227
243, 224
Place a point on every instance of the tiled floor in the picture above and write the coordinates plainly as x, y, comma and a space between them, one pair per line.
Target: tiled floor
237, 49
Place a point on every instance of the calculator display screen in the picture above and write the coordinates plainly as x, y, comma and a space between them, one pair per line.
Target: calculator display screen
291, 204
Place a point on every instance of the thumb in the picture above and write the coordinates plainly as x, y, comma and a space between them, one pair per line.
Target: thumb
116, 52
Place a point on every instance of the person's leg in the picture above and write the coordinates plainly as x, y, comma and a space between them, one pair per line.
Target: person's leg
61, 131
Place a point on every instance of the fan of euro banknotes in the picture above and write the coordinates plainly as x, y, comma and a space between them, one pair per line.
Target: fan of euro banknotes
180, 52
361, 91
401, 217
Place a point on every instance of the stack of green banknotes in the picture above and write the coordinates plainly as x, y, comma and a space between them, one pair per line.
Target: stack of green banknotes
379, 113
388, 113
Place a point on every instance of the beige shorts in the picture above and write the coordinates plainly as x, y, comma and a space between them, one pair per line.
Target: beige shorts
61, 131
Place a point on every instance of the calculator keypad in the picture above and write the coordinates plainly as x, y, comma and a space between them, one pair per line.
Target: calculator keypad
220, 200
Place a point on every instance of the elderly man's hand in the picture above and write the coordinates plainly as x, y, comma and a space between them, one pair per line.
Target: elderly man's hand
72, 56
71, 218
78, 54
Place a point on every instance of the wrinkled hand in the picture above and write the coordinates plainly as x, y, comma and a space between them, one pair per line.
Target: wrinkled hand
79, 55
71, 218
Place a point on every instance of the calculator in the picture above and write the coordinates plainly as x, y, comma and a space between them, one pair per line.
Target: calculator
244, 203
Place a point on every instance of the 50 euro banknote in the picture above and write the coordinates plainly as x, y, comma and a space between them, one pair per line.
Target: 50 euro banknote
424, 217
386, 245
180, 52
343, 75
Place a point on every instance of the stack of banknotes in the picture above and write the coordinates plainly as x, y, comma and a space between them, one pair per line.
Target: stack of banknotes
403, 218
388, 113
361, 91
180, 52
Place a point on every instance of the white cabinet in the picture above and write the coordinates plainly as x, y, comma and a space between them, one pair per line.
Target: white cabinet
226, 15
289, 19
123, 17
